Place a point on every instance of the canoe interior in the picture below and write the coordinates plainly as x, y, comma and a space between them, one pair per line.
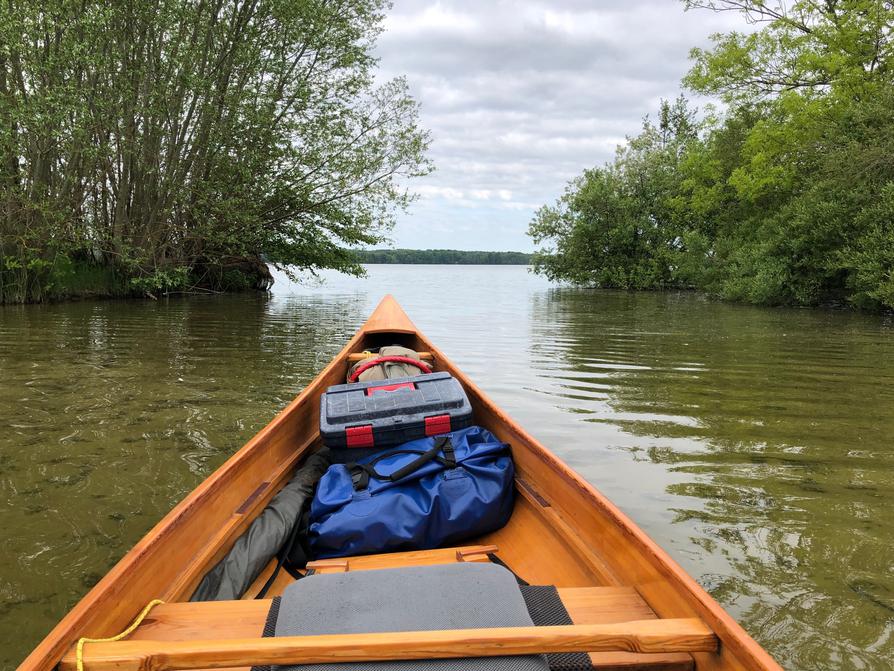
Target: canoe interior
562, 532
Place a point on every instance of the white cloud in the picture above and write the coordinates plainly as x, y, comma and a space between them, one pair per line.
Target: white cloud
433, 18
522, 96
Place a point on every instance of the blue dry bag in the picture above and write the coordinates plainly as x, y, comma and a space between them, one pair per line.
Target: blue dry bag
424, 494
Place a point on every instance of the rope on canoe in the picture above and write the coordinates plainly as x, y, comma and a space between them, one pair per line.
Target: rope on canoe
127, 632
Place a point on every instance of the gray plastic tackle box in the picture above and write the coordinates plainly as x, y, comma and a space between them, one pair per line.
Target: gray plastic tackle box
359, 418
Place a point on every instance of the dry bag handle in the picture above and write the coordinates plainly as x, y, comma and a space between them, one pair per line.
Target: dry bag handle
361, 473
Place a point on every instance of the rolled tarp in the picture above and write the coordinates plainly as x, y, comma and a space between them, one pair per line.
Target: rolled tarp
254, 549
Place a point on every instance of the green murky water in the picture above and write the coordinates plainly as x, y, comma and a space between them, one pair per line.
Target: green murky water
756, 446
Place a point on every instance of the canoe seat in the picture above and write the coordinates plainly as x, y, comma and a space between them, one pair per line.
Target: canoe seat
395, 601
223, 620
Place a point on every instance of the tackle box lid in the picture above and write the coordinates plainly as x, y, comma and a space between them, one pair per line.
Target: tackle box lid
383, 412
397, 399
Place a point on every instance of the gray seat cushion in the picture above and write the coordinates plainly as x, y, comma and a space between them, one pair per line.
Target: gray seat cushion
417, 598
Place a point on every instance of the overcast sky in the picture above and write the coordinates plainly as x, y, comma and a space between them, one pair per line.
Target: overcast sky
522, 96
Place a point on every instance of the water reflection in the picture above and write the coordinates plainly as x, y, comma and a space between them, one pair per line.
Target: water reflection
111, 412
754, 445
776, 425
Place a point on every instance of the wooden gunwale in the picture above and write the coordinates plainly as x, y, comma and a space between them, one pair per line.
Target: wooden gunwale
170, 558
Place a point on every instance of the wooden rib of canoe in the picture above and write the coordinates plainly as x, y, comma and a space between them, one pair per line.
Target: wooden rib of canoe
632, 606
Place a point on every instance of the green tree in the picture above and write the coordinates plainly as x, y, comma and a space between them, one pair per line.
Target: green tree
808, 47
785, 198
443, 256
616, 226
175, 140
814, 164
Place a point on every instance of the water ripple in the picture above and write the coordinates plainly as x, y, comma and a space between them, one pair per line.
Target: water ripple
753, 444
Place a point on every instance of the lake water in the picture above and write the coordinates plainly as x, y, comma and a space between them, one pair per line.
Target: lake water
754, 444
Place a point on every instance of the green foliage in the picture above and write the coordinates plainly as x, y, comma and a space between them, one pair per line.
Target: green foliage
168, 138
811, 47
172, 278
80, 277
236, 280
443, 256
617, 226
37, 279
788, 198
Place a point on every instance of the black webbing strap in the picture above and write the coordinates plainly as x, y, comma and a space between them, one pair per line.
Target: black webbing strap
286, 557
270, 628
499, 562
546, 609
361, 473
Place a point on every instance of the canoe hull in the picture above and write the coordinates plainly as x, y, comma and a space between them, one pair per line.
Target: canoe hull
590, 541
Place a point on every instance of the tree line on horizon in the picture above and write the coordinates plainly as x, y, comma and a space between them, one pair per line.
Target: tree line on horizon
784, 196
443, 256
168, 145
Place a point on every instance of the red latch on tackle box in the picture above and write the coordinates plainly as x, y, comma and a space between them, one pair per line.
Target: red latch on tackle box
437, 424
360, 436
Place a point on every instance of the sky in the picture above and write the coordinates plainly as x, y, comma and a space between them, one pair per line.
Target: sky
522, 96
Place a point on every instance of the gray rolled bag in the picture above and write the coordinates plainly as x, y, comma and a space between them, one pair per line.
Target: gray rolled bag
254, 549
387, 369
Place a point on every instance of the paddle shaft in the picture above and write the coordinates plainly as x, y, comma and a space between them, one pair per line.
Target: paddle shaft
673, 635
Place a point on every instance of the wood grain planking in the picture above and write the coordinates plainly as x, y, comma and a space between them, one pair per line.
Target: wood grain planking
402, 559
538, 552
581, 552
245, 619
587, 605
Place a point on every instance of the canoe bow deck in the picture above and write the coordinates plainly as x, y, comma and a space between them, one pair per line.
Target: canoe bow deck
632, 606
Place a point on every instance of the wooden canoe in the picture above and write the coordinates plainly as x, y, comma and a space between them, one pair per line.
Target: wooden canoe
632, 606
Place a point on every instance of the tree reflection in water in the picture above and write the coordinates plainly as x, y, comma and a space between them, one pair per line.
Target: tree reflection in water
773, 431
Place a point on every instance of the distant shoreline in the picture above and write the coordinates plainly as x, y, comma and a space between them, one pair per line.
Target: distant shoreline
443, 257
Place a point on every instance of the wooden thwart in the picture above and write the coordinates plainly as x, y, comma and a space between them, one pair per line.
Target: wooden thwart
645, 636
354, 357
470, 553
221, 620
